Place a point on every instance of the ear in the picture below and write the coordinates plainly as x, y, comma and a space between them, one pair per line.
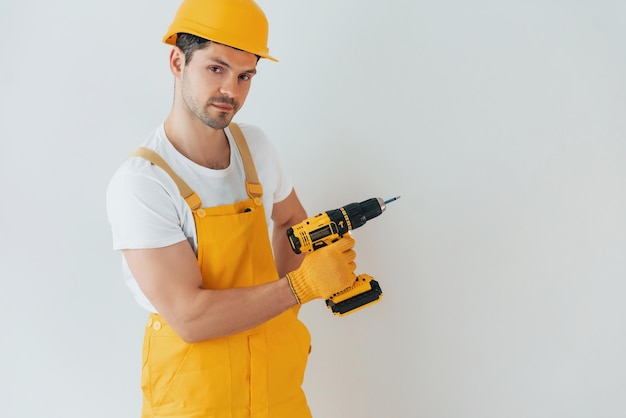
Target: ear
177, 61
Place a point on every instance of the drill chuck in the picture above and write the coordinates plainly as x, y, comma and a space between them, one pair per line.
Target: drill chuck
355, 215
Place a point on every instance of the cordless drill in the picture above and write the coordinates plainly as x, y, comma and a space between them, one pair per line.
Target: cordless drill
328, 227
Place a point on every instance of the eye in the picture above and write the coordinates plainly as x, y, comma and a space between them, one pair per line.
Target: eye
215, 69
245, 77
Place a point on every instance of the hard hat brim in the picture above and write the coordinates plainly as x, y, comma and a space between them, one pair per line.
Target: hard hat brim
170, 39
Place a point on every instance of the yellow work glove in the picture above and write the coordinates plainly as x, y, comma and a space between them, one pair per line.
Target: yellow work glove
324, 272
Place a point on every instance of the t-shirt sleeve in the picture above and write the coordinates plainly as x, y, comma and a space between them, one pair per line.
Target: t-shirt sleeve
141, 212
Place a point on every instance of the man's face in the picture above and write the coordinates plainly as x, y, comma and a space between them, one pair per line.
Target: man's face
216, 82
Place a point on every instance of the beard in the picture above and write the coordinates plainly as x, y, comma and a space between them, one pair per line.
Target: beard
219, 120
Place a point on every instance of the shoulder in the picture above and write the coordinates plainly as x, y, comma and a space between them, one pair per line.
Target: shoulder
260, 145
137, 183
255, 136
276, 183
143, 205
139, 166
250, 129
138, 176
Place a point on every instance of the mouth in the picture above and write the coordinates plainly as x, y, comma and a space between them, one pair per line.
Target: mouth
224, 106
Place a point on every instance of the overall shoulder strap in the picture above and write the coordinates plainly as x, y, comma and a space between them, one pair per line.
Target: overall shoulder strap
253, 186
193, 200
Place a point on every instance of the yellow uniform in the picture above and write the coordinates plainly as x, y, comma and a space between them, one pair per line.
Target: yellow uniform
254, 374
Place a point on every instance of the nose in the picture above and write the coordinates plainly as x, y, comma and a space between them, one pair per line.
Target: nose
229, 86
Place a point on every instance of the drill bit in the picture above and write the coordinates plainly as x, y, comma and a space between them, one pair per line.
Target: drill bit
393, 199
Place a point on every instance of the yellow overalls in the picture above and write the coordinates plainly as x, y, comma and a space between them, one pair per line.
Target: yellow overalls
255, 374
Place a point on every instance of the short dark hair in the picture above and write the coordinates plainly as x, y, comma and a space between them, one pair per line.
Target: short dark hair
190, 43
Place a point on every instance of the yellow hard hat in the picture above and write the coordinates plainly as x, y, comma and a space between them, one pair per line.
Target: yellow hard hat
239, 24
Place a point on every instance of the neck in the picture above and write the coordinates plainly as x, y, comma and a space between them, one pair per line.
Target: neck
201, 144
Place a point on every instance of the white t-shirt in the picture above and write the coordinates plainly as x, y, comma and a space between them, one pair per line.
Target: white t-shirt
146, 210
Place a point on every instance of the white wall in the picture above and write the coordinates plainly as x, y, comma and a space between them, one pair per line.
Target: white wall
501, 124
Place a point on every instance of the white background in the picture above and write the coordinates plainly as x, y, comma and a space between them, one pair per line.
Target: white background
500, 123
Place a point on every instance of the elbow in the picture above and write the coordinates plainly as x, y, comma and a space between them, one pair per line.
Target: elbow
190, 338
186, 328
187, 333
192, 330
196, 320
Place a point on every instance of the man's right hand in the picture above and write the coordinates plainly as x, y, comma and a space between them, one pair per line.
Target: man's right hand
325, 271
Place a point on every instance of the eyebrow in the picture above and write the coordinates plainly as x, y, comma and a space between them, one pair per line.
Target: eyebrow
227, 65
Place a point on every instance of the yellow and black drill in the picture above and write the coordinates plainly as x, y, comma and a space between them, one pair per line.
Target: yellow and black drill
328, 227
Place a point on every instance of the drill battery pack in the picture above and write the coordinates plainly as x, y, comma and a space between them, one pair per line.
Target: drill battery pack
364, 292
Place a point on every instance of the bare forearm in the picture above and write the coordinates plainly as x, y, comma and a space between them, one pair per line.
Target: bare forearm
217, 313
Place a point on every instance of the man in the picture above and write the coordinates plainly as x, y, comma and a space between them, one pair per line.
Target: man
188, 212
